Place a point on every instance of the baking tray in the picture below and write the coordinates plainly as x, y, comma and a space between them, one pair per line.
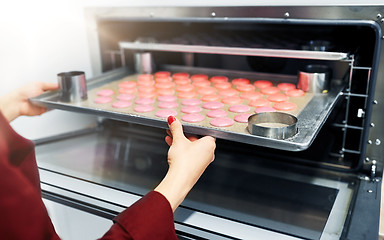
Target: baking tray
311, 113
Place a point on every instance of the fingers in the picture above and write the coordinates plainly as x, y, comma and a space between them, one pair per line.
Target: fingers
169, 132
210, 141
46, 86
168, 140
176, 129
36, 111
192, 138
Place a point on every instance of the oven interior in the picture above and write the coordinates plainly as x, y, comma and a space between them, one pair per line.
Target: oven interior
341, 143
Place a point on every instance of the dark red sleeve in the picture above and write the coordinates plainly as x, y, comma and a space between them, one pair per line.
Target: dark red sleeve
23, 214
149, 218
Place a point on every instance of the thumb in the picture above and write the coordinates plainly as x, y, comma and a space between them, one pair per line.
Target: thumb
176, 128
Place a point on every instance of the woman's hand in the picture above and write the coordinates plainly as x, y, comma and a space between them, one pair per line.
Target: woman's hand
187, 158
16, 103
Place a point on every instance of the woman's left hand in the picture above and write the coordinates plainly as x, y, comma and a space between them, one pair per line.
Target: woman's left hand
17, 102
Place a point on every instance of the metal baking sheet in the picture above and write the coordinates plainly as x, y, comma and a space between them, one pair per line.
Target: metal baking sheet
312, 111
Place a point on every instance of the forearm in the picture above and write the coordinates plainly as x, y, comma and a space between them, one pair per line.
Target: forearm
175, 186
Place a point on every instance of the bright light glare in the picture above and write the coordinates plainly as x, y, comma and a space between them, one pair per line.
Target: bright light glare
39, 39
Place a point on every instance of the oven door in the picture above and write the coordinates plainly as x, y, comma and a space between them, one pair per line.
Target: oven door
242, 194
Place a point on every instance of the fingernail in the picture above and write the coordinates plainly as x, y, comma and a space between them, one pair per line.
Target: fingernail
171, 119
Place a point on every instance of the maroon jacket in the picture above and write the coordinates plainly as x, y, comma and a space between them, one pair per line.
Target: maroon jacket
24, 216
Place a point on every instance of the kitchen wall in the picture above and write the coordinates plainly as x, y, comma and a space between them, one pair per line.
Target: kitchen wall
38, 40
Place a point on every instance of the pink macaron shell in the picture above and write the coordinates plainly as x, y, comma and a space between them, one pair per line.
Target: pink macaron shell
218, 79
286, 86
278, 97
165, 92
231, 100
229, 92
128, 84
143, 108
121, 104
145, 77
146, 82
193, 117
182, 81
167, 105
260, 103
191, 109
167, 98
180, 75
213, 105
221, 122
242, 118
102, 100
223, 85
270, 90
162, 74
206, 90
245, 87
199, 77
105, 93
240, 81
146, 89
264, 109
165, 113
125, 97
295, 93
185, 88
191, 102
285, 106
163, 79
203, 83
210, 98
262, 84
147, 95
239, 108
164, 85
251, 95
127, 90
217, 113
184, 95
144, 101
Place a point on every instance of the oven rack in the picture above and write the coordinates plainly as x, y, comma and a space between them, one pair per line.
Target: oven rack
311, 118
261, 52
347, 95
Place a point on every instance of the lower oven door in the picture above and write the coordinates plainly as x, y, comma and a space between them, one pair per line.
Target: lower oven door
238, 197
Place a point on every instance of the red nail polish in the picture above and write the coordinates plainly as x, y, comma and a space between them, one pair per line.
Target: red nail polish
171, 119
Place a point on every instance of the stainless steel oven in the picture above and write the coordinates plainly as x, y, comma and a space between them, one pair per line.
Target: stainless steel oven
322, 183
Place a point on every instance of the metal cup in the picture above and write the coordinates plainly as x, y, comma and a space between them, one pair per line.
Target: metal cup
73, 87
144, 62
315, 79
276, 125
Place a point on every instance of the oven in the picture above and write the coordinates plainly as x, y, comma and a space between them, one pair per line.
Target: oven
321, 182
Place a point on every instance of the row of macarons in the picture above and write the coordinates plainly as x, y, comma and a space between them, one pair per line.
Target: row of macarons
278, 101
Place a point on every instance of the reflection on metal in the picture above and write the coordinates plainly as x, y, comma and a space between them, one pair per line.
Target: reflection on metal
263, 52
276, 125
